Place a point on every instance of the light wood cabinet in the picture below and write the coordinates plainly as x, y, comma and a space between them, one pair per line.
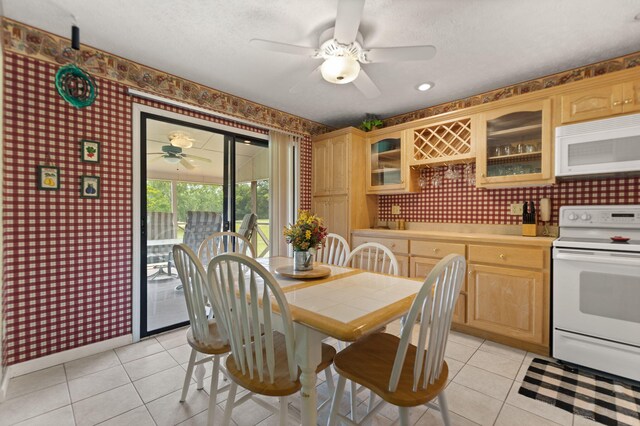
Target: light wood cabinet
398, 246
514, 145
420, 268
330, 168
337, 181
444, 142
506, 301
425, 255
386, 169
333, 210
600, 102
508, 292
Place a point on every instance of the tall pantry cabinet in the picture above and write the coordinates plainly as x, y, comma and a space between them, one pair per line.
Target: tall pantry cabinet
338, 181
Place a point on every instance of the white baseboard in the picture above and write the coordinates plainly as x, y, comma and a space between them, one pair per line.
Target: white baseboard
4, 383
65, 356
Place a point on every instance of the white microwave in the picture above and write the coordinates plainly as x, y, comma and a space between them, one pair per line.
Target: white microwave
599, 147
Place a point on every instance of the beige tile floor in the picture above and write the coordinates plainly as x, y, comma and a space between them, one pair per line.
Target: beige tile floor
140, 385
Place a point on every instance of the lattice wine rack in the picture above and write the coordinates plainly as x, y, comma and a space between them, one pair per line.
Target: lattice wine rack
444, 142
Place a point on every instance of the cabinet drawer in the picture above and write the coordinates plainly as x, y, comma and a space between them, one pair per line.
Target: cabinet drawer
420, 267
508, 256
435, 249
396, 245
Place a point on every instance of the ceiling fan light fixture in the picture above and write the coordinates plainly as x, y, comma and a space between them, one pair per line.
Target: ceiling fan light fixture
340, 69
171, 159
180, 140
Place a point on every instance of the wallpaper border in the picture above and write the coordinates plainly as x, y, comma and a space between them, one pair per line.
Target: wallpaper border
39, 44
588, 71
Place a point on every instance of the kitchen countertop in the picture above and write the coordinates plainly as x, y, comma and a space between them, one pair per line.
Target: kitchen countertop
450, 236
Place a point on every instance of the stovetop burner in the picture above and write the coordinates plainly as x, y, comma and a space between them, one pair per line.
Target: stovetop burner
596, 228
633, 245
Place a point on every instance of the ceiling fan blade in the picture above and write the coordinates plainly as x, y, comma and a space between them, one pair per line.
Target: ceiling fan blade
156, 153
366, 85
186, 164
348, 20
195, 157
313, 77
275, 46
399, 54
155, 159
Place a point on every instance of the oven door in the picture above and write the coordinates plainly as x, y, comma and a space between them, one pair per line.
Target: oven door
596, 293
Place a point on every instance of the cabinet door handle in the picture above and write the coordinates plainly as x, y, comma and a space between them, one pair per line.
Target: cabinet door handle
502, 256
435, 250
482, 175
616, 103
628, 101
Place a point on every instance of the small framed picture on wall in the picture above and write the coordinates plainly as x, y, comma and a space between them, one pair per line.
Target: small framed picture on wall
90, 151
49, 178
89, 186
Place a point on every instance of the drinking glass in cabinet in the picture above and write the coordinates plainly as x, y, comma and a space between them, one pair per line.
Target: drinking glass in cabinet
385, 162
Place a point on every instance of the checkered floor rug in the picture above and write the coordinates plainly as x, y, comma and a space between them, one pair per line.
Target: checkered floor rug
602, 399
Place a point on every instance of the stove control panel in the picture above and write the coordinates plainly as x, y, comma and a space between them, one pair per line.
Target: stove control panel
620, 216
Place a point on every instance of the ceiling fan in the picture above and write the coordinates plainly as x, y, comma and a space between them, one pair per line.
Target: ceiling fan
343, 52
174, 155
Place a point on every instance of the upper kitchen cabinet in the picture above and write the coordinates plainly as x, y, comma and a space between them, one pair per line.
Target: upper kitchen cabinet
598, 102
513, 145
443, 142
386, 169
338, 182
330, 165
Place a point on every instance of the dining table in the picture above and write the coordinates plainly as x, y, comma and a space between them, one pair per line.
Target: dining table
346, 304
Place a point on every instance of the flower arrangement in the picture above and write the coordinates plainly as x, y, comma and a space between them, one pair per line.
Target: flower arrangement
307, 233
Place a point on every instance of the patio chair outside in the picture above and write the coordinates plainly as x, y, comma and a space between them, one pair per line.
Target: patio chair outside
160, 226
199, 225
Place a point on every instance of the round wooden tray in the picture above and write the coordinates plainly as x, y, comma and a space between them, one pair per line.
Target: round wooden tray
315, 273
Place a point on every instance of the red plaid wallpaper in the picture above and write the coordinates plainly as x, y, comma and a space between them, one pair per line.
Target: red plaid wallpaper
455, 201
68, 260
305, 173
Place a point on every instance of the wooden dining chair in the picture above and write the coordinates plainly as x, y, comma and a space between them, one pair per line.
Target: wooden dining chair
401, 373
373, 257
334, 250
208, 340
254, 310
224, 242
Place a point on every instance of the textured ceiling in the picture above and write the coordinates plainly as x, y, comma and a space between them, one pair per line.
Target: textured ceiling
482, 44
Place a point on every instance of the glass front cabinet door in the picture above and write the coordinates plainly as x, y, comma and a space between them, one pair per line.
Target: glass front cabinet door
514, 145
387, 170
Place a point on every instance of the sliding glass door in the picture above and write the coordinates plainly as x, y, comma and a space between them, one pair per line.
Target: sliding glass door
196, 180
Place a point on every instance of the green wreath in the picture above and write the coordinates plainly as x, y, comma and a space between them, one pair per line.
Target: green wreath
76, 86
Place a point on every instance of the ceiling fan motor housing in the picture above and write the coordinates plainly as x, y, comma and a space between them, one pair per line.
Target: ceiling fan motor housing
172, 150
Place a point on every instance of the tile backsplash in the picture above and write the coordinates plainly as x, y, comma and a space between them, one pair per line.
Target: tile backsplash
458, 201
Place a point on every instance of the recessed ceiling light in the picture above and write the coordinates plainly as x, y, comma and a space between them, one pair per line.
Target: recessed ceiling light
423, 87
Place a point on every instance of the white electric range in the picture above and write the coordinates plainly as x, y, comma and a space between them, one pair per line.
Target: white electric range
596, 288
